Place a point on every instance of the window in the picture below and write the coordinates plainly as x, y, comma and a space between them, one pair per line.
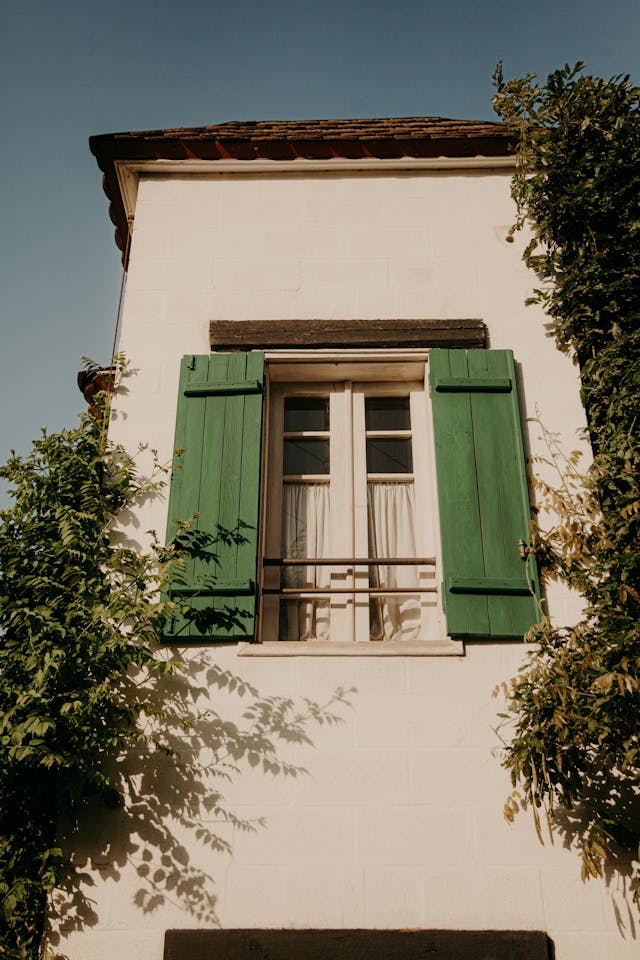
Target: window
356, 460
344, 460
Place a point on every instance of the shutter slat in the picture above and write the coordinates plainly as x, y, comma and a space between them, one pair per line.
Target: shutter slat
214, 563
190, 436
232, 479
486, 592
497, 480
457, 493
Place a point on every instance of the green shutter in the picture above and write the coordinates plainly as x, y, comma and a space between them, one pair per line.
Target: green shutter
482, 495
217, 477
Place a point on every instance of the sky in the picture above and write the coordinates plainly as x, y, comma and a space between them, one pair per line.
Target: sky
72, 68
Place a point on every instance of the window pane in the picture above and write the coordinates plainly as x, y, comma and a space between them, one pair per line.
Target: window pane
306, 413
389, 455
387, 413
305, 456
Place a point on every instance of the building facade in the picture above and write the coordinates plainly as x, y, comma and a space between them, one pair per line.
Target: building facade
327, 320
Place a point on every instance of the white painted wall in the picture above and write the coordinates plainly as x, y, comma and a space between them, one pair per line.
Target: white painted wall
398, 822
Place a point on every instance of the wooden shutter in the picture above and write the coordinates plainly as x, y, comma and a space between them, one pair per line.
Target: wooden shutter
216, 477
482, 495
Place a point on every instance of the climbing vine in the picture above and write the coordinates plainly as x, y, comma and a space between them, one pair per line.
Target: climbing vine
574, 707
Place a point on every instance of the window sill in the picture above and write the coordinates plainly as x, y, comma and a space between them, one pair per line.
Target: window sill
285, 648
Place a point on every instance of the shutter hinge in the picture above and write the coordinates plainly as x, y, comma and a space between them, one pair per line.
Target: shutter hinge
525, 549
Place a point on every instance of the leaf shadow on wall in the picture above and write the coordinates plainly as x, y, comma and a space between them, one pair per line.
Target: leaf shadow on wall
175, 827
616, 798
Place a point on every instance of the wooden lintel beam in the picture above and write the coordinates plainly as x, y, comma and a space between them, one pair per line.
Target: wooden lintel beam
315, 334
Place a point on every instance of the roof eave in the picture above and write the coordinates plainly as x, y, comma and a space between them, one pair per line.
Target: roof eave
123, 157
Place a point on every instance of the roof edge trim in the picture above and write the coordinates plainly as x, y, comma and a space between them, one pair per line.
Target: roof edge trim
128, 171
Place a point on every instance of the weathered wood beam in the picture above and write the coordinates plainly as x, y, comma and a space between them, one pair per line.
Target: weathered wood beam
285, 334
356, 944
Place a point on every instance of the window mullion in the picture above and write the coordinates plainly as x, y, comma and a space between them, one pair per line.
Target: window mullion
348, 455
360, 514
340, 505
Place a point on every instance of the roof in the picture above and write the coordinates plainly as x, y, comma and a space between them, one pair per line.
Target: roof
254, 131
290, 140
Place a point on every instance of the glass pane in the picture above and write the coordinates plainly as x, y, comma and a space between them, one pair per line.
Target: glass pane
389, 455
306, 413
387, 413
305, 456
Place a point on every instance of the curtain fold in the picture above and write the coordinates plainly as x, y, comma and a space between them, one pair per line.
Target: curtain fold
305, 533
391, 520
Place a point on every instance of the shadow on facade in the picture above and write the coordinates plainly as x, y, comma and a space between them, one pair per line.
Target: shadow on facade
619, 798
175, 822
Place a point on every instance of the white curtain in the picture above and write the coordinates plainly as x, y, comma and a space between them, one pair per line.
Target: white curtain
305, 533
391, 517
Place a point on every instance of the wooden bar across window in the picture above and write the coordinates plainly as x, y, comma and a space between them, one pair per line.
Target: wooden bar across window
348, 561
328, 591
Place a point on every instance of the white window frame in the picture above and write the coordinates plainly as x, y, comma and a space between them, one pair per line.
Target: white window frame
347, 376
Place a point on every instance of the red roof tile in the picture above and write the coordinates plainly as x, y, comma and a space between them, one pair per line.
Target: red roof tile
258, 130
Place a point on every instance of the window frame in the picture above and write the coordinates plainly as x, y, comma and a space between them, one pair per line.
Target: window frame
359, 373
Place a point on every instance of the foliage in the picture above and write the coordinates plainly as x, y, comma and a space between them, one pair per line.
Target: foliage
575, 704
94, 712
78, 625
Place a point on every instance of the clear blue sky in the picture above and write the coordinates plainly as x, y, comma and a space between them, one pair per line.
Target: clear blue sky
71, 68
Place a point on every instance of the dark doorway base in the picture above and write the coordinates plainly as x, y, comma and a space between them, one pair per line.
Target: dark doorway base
357, 945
